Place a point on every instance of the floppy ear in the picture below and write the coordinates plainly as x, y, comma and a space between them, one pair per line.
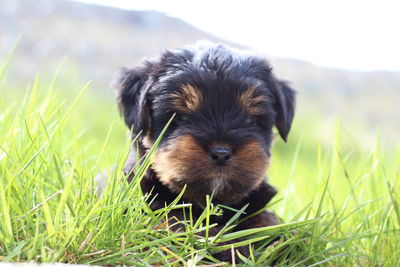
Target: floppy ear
284, 107
132, 100
283, 95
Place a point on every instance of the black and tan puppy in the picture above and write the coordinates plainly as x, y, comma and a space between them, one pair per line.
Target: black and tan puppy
226, 103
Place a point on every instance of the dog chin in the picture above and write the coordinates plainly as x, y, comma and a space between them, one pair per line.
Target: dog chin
223, 188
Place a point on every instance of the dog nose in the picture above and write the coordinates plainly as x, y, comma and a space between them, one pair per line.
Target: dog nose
220, 154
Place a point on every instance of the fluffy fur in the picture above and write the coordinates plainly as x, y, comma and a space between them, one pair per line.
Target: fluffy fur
226, 103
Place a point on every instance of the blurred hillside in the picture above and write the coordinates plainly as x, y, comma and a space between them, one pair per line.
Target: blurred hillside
98, 40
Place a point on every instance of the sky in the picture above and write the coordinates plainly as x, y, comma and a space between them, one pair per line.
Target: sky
359, 35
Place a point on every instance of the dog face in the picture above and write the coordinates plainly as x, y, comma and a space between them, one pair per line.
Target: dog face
225, 104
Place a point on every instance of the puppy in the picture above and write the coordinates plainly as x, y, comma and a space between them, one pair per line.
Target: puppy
226, 103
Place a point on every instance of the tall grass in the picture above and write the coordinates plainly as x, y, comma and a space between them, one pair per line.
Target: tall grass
341, 200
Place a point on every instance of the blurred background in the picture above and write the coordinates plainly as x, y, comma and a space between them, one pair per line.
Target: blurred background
342, 57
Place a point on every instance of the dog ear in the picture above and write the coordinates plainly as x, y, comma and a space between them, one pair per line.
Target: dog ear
284, 107
132, 98
283, 96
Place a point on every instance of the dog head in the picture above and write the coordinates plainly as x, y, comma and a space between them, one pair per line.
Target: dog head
225, 104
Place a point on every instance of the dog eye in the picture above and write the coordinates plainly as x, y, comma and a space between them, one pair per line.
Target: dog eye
179, 118
251, 121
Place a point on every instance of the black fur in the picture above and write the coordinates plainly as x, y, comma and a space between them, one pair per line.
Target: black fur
221, 75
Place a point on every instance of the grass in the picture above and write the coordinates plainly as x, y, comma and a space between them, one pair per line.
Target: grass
340, 198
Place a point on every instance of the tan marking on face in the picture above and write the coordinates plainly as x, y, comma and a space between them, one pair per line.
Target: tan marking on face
174, 161
188, 99
184, 161
251, 102
253, 156
147, 142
